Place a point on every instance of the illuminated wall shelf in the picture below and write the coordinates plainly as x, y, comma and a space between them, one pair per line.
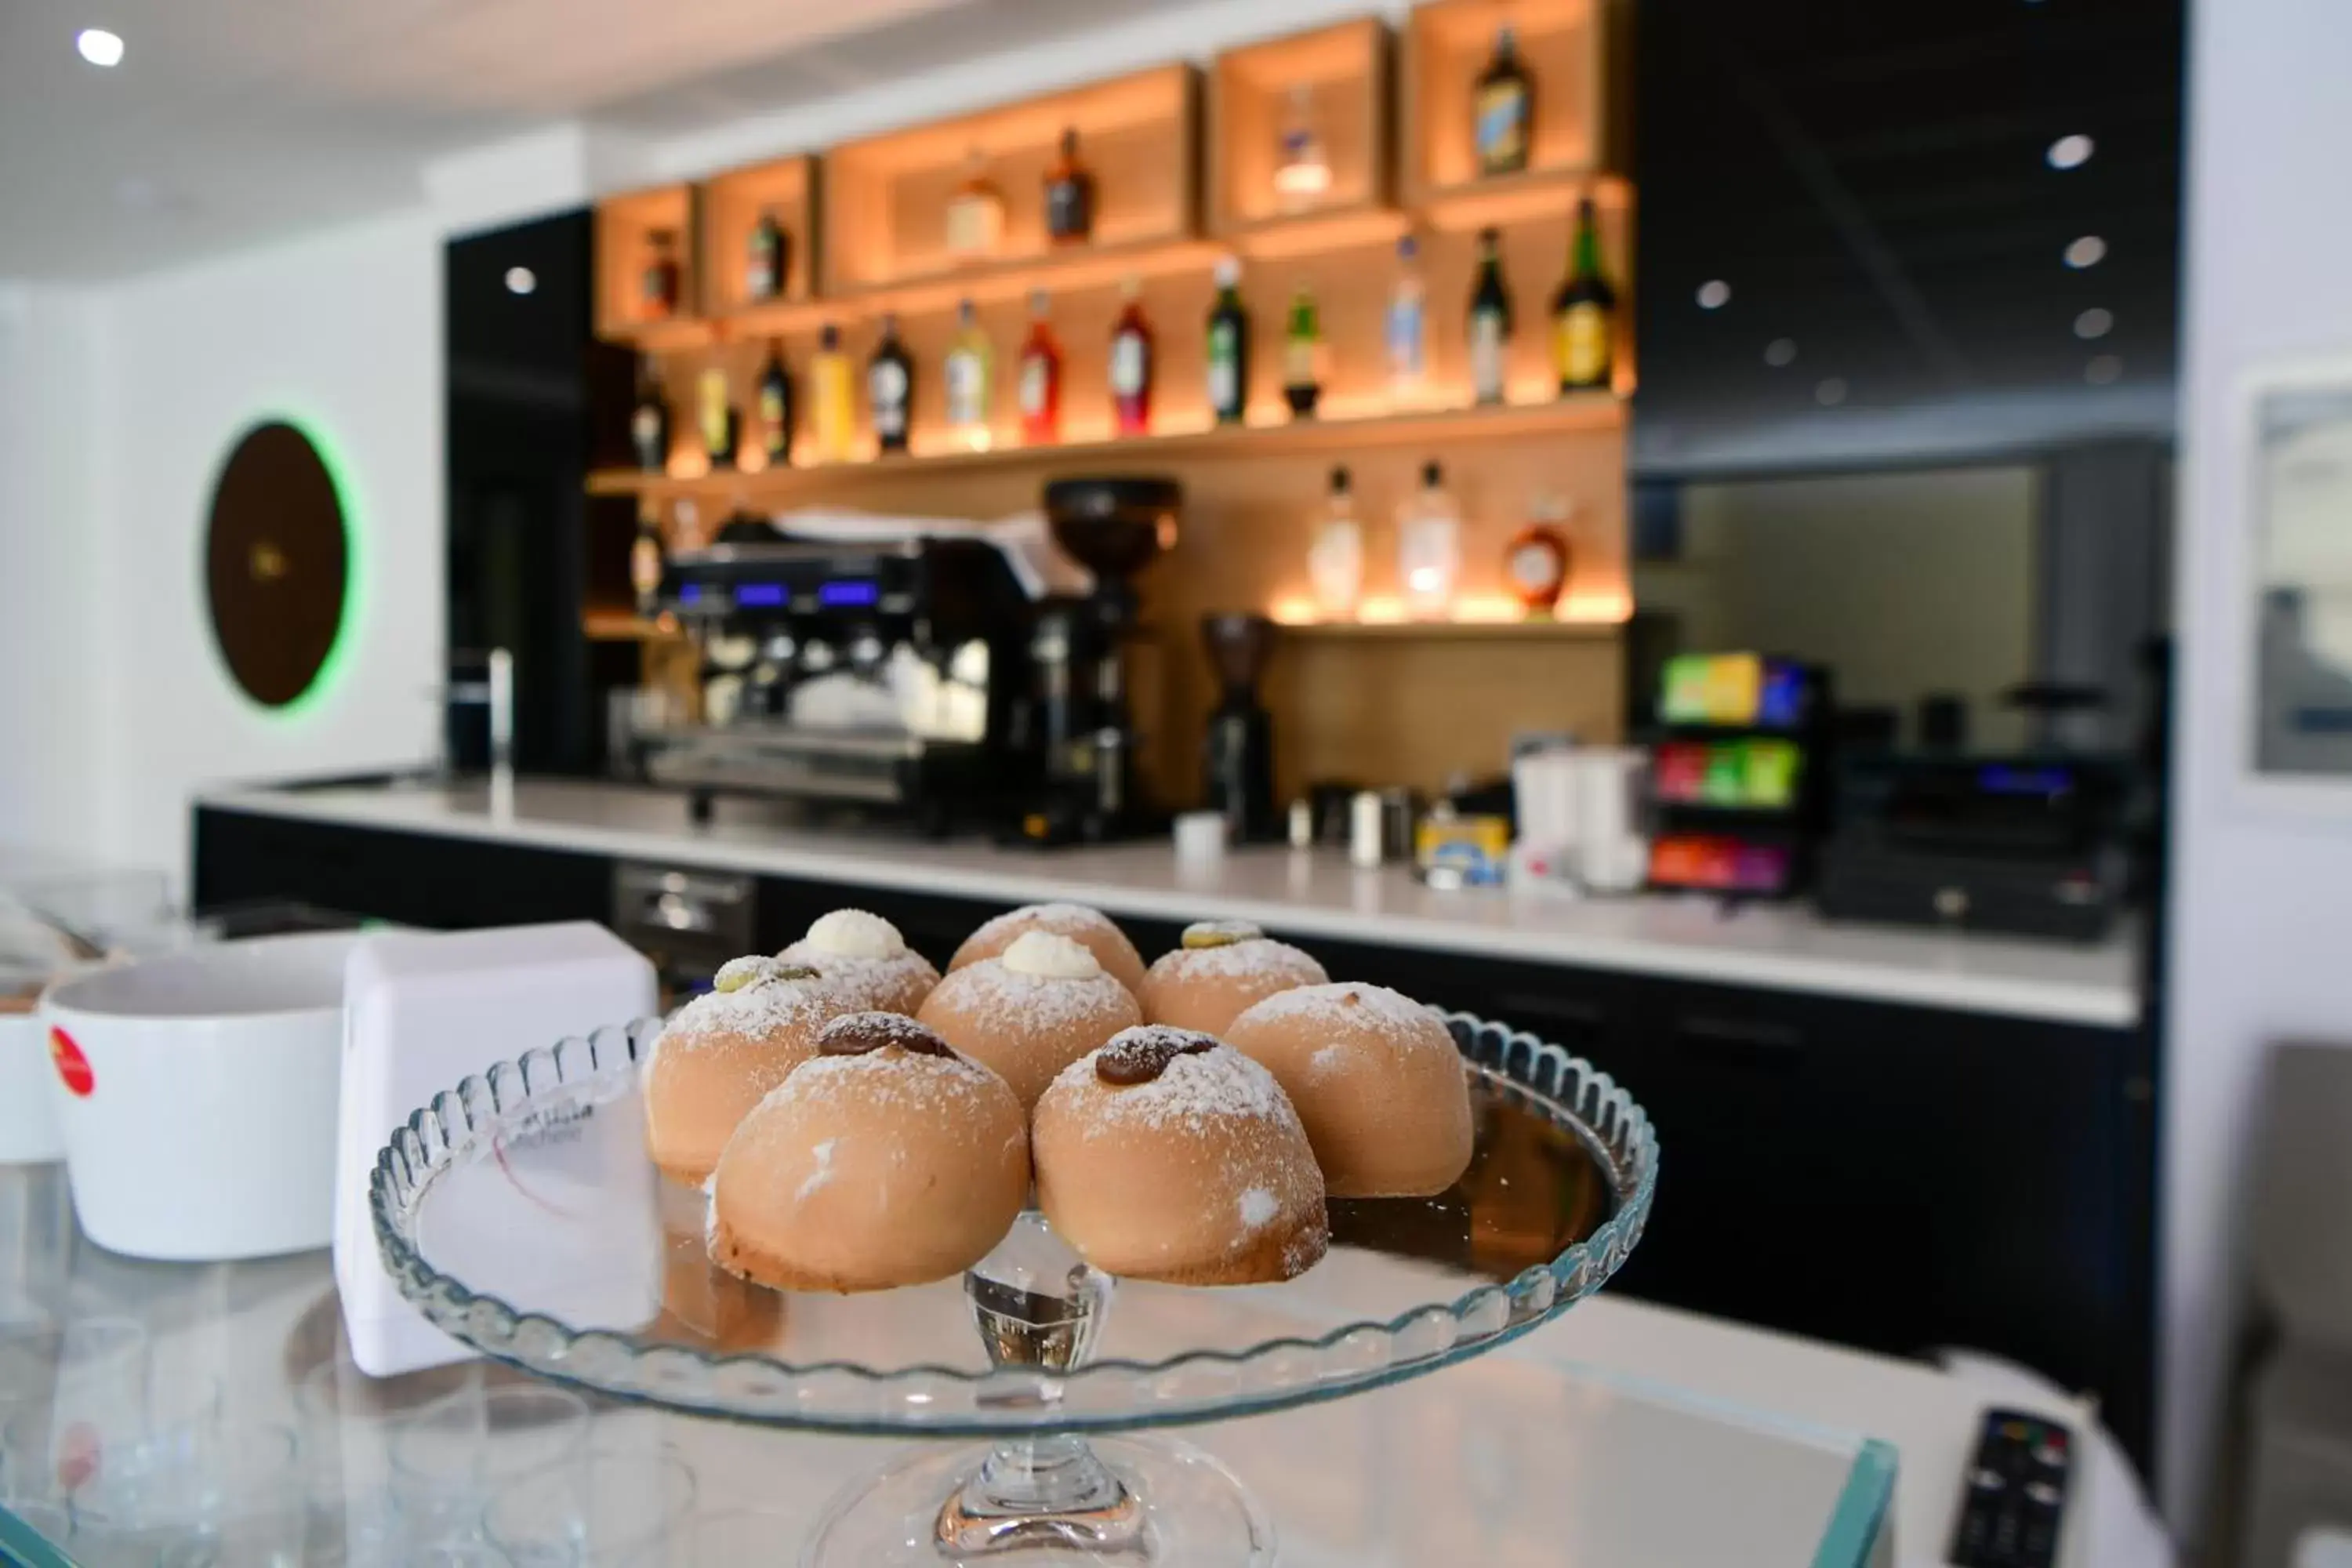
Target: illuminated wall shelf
1599, 411
1463, 631
621, 625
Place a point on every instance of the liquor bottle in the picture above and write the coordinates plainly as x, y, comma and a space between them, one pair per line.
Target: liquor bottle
1069, 195
1302, 354
1228, 347
775, 408
1429, 547
1131, 365
976, 211
1334, 559
658, 286
648, 560
971, 380
891, 388
1490, 322
649, 422
1503, 110
1584, 311
1406, 331
1041, 378
715, 415
1302, 167
771, 258
832, 387
1535, 566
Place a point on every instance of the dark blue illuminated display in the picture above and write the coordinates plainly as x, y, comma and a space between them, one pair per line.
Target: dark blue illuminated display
759, 595
849, 591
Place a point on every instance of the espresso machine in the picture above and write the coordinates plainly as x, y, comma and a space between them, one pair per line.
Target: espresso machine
1237, 756
889, 674
1113, 527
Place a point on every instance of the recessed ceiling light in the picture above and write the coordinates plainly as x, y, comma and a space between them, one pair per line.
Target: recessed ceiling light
2071, 152
2103, 370
1780, 352
2095, 322
1830, 392
521, 280
98, 47
1714, 294
2087, 251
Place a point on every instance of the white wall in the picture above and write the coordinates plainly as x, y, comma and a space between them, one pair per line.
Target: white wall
2258, 934
48, 717
340, 331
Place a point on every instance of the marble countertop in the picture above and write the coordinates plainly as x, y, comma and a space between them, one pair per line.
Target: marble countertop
1300, 893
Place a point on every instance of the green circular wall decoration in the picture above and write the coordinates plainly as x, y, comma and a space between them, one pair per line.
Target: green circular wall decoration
278, 566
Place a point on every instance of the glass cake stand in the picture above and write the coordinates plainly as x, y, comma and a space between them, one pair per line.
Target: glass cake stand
521, 1213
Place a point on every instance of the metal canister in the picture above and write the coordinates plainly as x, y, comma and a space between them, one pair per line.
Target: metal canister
1399, 811
1365, 836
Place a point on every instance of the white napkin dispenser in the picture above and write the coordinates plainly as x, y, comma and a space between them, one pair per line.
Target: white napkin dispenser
423, 1012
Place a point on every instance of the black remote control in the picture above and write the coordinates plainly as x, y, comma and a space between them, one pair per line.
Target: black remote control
2014, 1493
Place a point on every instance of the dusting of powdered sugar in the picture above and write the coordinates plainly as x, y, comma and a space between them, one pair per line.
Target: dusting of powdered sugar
1201, 1086
757, 1010
1063, 920
1328, 1060
1258, 1209
1253, 958
865, 982
995, 999
1361, 1010
822, 1175
886, 1077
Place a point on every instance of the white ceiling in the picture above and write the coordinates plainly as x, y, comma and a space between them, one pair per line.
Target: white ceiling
231, 122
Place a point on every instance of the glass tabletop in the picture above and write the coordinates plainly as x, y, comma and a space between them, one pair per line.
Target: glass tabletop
235, 1377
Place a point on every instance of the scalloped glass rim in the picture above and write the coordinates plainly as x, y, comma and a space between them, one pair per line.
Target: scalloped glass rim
1109, 1394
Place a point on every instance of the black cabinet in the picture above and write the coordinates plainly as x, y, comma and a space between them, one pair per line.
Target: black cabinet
1892, 1177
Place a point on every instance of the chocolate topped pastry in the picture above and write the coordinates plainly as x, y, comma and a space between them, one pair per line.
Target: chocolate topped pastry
1181, 1161
854, 1034
1140, 1055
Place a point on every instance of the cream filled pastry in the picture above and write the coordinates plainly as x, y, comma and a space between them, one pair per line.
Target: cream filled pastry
1089, 927
885, 1160
1222, 968
1169, 1155
1029, 1013
865, 956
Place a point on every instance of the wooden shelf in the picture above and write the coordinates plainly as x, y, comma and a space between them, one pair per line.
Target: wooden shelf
885, 199
624, 230
1584, 411
1343, 72
1565, 48
1096, 265
1500, 200
621, 625
1575, 629
1316, 231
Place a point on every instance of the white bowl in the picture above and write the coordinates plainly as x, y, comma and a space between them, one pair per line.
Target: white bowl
28, 1127
200, 1098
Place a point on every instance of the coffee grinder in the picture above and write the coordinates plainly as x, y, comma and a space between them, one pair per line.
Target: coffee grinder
1113, 527
1237, 757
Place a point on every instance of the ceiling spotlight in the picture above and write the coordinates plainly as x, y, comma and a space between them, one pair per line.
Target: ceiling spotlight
1780, 352
98, 47
1830, 392
2095, 322
521, 280
2087, 251
1714, 294
2103, 370
2071, 152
